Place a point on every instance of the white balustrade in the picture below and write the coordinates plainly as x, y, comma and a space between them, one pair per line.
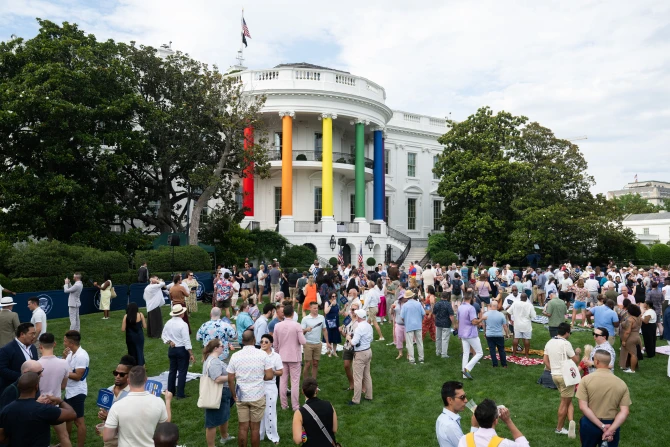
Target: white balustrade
268, 75
346, 80
308, 75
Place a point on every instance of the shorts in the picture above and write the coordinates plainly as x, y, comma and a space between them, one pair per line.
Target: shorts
348, 354
372, 314
77, 404
523, 335
251, 411
312, 351
578, 305
485, 299
456, 298
225, 304
253, 285
566, 391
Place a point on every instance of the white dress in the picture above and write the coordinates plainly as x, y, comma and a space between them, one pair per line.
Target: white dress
269, 421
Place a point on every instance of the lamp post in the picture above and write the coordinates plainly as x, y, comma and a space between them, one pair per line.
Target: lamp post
370, 243
332, 242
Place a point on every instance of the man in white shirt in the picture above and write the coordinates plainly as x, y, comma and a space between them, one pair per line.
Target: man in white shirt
73, 300
261, 323
565, 283
523, 313
39, 318
371, 306
488, 415
77, 386
361, 341
249, 368
135, 417
175, 334
428, 277
448, 425
153, 297
313, 325
592, 286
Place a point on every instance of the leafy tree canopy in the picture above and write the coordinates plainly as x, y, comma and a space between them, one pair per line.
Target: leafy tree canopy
635, 204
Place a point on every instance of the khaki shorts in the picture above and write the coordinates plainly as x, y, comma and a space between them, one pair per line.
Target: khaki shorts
312, 351
251, 411
372, 314
566, 391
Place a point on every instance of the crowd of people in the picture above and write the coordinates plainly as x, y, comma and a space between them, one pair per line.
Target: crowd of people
254, 352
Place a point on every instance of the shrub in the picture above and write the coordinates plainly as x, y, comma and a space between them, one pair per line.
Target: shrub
437, 242
642, 253
444, 257
333, 261
299, 256
660, 253
371, 262
189, 257
53, 258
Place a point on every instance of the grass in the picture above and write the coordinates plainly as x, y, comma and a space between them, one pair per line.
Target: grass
406, 398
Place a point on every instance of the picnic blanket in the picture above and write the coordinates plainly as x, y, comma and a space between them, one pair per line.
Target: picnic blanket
530, 351
163, 378
665, 350
523, 361
540, 319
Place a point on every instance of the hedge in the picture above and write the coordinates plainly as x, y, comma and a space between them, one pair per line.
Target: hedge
52, 258
56, 282
189, 257
660, 253
298, 255
642, 253
444, 257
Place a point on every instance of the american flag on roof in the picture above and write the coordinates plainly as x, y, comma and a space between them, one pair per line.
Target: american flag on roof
245, 32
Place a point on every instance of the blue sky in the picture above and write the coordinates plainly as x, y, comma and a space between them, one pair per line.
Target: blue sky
590, 67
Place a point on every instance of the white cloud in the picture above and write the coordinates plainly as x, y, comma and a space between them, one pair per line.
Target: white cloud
592, 68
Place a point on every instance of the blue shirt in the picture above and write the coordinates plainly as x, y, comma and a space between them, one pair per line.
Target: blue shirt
244, 322
603, 316
494, 323
666, 317
412, 314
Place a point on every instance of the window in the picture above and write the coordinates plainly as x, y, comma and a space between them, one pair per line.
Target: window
435, 176
318, 145
437, 212
411, 165
411, 214
239, 197
386, 209
277, 204
204, 215
352, 208
317, 204
154, 206
645, 231
387, 154
278, 141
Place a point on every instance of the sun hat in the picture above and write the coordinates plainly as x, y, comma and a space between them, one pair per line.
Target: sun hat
7, 301
409, 294
360, 313
177, 309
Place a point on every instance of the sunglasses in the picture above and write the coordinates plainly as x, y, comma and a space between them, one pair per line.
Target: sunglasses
119, 373
597, 335
265, 342
463, 397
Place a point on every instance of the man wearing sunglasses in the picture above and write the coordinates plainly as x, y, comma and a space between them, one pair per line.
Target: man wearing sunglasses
600, 336
448, 425
121, 388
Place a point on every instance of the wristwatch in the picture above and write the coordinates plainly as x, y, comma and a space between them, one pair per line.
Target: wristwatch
602, 427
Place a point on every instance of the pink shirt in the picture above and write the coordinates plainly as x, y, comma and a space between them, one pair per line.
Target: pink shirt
55, 370
288, 337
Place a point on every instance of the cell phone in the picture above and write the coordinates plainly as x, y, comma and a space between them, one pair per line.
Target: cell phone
194, 288
318, 324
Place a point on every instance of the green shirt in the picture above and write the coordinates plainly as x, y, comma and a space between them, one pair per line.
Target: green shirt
557, 308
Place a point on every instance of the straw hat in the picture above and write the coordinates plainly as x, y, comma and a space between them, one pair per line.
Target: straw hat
177, 309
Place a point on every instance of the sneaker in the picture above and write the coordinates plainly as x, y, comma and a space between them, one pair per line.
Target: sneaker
571, 430
381, 339
224, 440
628, 370
421, 361
467, 374
390, 344
562, 431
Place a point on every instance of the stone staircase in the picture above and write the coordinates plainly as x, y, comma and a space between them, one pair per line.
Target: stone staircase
415, 254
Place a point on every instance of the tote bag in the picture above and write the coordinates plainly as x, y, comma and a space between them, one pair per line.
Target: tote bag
570, 371
210, 391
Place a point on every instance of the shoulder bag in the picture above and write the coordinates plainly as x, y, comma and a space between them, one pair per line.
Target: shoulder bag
210, 391
569, 370
112, 292
321, 426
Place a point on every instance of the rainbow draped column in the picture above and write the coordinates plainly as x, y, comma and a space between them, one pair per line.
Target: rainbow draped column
378, 177
359, 211
287, 164
327, 167
248, 182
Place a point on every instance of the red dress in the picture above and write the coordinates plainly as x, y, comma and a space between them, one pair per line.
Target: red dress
428, 324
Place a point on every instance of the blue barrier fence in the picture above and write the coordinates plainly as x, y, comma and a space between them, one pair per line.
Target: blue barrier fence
54, 302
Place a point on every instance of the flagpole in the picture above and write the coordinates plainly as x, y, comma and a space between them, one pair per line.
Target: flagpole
240, 54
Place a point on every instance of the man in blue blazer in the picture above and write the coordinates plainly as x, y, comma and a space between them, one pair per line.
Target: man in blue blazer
15, 353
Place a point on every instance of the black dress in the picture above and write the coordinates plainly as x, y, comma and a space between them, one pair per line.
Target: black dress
135, 341
324, 410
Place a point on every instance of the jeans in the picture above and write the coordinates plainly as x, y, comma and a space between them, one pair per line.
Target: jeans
476, 344
411, 337
497, 342
442, 341
178, 363
592, 436
553, 331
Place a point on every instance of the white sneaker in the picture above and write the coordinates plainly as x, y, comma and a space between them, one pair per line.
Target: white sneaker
562, 431
571, 430
628, 370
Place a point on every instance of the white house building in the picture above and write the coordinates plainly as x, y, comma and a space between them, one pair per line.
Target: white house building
653, 191
649, 228
347, 171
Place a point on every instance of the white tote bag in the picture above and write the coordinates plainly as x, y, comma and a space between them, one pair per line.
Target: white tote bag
210, 391
569, 370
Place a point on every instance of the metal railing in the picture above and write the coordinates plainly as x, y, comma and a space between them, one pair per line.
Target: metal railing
338, 157
403, 238
347, 227
324, 263
306, 226
425, 260
375, 228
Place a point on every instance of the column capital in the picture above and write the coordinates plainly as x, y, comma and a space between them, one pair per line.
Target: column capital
328, 115
290, 113
360, 121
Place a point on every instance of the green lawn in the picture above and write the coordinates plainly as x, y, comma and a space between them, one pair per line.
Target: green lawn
406, 397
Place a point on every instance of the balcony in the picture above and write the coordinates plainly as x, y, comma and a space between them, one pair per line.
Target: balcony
338, 157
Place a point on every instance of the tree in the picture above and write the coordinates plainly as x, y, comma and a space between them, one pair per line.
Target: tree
642, 254
478, 180
635, 204
660, 254
298, 256
65, 100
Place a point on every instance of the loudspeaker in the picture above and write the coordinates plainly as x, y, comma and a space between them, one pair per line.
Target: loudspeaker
173, 240
342, 241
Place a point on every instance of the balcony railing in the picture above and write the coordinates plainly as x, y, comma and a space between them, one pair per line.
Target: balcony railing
375, 228
306, 226
338, 157
347, 227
